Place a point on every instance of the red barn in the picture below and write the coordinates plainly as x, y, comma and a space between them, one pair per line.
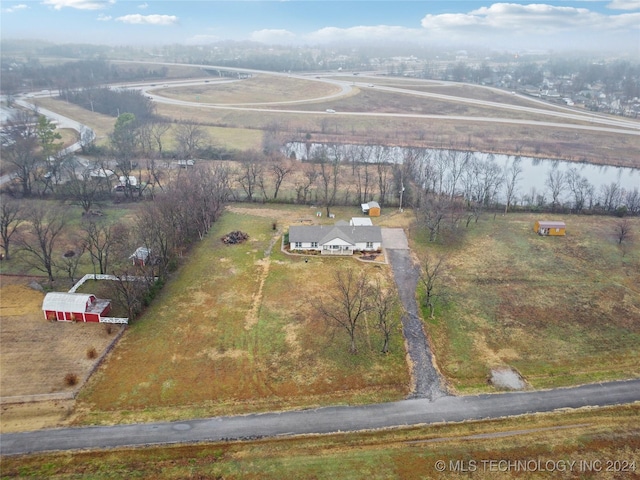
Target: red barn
79, 307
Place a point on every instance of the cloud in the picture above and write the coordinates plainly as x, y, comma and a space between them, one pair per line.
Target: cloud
143, 6
137, 19
79, 4
277, 36
15, 8
520, 20
624, 5
104, 18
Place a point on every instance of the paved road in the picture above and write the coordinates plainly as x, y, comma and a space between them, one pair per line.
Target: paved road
323, 420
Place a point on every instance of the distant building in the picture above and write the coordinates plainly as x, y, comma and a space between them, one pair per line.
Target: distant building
547, 228
372, 209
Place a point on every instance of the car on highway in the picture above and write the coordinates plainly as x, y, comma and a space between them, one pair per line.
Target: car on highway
330, 110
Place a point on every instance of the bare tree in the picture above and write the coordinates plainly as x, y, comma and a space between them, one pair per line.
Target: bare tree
303, 188
190, 137
623, 230
328, 173
611, 196
387, 308
511, 182
46, 224
10, 220
280, 169
347, 303
71, 259
101, 238
431, 275
82, 188
579, 187
128, 289
556, 183
251, 173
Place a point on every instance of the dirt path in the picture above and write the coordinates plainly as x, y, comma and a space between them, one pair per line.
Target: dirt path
427, 382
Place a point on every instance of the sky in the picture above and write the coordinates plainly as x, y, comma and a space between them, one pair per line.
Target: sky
566, 24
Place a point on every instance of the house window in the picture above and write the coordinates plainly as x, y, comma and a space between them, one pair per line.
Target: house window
314, 244
369, 245
298, 245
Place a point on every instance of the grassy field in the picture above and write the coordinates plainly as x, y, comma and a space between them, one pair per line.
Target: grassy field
560, 310
257, 89
236, 331
593, 439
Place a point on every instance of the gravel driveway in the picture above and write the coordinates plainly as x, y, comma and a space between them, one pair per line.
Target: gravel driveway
427, 382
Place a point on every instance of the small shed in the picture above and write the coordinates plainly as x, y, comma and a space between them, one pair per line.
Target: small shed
548, 228
372, 208
78, 307
140, 257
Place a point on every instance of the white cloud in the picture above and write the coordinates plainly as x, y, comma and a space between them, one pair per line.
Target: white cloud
624, 5
79, 4
104, 18
273, 36
15, 8
143, 6
521, 20
137, 19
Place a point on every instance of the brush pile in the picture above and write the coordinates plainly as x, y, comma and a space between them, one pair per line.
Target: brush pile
233, 238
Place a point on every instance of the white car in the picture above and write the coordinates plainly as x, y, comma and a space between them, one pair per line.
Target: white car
330, 110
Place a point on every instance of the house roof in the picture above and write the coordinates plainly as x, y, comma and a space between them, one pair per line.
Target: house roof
549, 224
66, 302
361, 221
141, 253
325, 233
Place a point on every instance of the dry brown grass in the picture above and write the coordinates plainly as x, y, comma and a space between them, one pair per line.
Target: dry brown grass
586, 437
36, 354
231, 333
560, 310
258, 89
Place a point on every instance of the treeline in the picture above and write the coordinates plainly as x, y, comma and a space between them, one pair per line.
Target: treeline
18, 76
112, 102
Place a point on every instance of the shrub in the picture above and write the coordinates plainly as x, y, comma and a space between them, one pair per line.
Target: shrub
71, 379
108, 328
92, 353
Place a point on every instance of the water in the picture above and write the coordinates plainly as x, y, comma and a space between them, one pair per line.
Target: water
532, 180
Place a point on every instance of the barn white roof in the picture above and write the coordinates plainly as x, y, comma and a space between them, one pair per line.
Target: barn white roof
66, 302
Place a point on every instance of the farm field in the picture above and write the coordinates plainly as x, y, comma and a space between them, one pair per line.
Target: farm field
236, 331
559, 310
592, 439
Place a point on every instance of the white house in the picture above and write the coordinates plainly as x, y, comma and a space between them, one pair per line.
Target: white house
339, 239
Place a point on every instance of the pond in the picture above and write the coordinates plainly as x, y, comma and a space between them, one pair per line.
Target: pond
531, 181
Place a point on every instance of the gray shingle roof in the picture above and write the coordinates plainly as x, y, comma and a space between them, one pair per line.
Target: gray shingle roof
325, 233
